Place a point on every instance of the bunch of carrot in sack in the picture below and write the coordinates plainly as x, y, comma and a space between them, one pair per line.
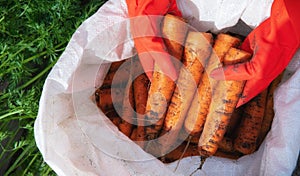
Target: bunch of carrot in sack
194, 115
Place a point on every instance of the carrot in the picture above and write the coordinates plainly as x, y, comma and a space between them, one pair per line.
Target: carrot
196, 116
197, 51
108, 98
269, 111
126, 123
133, 134
111, 113
174, 30
194, 139
184, 136
226, 145
118, 74
223, 43
229, 155
116, 121
225, 149
162, 87
128, 114
114, 66
225, 95
249, 128
234, 122
159, 95
113, 116
180, 152
140, 91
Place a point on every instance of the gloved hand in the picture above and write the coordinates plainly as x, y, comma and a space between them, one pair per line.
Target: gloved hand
145, 17
273, 44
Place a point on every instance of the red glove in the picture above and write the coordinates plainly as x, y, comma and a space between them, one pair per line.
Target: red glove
273, 44
145, 18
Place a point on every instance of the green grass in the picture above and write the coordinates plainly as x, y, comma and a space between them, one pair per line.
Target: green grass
33, 34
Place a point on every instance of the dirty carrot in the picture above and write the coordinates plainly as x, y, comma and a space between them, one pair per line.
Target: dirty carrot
234, 122
128, 113
196, 116
197, 51
174, 30
223, 43
226, 149
181, 152
159, 95
249, 128
111, 113
133, 134
230, 155
126, 124
226, 145
109, 98
117, 74
114, 66
116, 121
269, 111
162, 87
140, 91
184, 136
225, 95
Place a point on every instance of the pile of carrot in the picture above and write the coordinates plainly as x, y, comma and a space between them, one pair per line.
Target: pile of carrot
194, 115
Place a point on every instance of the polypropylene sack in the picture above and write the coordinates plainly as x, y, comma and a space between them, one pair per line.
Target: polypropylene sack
75, 137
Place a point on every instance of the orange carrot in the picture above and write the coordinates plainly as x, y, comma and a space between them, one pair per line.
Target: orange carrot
180, 152
234, 122
128, 114
113, 116
226, 150
226, 145
109, 98
162, 87
229, 155
126, 123
174, 30
225, 95
118, 74
249, 128
159, 95
116, 121
133, 134
184, 136
111, 113
197, 50
196, 116
140, 89
114, 66
269, 111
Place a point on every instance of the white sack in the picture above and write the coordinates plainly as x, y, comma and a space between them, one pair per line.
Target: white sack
75, 138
